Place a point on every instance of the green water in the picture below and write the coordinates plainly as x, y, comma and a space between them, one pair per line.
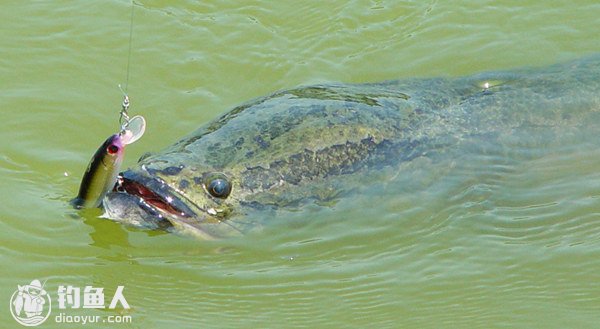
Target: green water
464, 244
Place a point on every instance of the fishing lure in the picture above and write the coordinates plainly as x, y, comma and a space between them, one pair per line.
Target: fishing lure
103, 169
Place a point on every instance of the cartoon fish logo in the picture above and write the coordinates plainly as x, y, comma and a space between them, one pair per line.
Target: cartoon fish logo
30, 305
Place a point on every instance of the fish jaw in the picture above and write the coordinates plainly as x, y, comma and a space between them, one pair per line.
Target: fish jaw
147, 201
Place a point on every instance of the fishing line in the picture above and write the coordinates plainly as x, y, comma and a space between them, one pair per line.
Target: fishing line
124, 117
102, 172
130, 43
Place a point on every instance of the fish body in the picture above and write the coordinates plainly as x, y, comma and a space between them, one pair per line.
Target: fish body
18, 302
301, 144
101, 173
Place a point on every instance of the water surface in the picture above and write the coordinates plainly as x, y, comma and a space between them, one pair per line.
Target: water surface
475, 241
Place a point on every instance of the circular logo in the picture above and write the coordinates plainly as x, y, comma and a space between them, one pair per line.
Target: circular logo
30, 304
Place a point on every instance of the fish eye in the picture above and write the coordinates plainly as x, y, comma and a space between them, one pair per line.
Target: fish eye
218, 187
112, 149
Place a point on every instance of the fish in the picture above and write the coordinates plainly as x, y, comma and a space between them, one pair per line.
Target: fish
313, 143
101, 173
18, 302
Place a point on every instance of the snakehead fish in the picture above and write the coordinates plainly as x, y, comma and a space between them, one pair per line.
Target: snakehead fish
296, 146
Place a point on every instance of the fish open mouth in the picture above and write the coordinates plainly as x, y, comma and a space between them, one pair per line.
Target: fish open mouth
154, 194
149, 202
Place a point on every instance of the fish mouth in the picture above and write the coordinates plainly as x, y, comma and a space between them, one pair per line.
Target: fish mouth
149, 202
154, 196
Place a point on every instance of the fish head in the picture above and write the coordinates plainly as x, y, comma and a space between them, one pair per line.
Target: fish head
178, 196
271, 153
